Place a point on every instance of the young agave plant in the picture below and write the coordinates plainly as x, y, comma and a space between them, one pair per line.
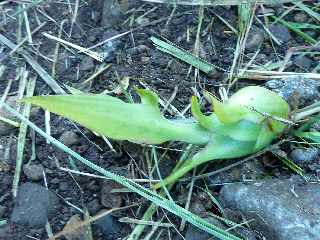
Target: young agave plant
237, 127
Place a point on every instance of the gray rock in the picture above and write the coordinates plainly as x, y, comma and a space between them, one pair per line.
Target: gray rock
109, 48
33, 171
69, 138
282, 209
63, 186
110, 227
280, 32
34, 205
86, 63
304, 157
255, 39
194, 233
302, 62
300, 17
94, 206
109, 199
111, 13
291, 88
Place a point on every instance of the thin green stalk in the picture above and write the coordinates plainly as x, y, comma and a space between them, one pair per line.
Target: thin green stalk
22, 138
137, 231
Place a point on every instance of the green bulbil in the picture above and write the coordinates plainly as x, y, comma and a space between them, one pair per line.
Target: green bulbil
237, 127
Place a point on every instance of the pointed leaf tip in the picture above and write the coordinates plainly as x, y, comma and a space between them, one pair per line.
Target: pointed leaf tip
224, 111
203, 120
148, 97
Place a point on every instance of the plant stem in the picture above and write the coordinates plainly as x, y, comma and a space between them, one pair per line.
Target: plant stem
189, 132
176, 174
137, 231
307, 111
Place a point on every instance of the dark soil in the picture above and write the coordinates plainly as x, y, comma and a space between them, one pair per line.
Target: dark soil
134, 57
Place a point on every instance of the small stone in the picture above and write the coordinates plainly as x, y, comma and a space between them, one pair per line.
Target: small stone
280, 209
109, 199
33, 171
280, 32
111, 13
304, 157
34, 205
110, 227
86, 64
94, 206
198, 208
69, 138
63, 186
142, 21
302, 62
72, 231
255, 39
145, 60
110, 48
92, 38
300, 17
55, 181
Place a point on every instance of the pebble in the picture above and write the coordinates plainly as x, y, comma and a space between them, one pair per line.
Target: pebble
280, 32
304, 157
94, 206
281, 209
69, 138
289, 88
63, 186
72, 231
86, 63
111, 13
110, 227
110, 48
300, 17
255, 39
34, 205
33, 172
302, 62
109, 199
197, 207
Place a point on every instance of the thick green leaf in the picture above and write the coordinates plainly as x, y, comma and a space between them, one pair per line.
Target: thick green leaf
119, 120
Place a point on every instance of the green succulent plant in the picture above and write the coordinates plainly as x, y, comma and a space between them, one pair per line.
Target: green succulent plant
237, 127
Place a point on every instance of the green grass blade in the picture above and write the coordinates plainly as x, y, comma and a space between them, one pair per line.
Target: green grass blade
183, 55
146, 193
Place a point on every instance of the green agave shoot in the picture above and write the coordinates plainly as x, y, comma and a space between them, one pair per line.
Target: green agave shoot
237, 127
